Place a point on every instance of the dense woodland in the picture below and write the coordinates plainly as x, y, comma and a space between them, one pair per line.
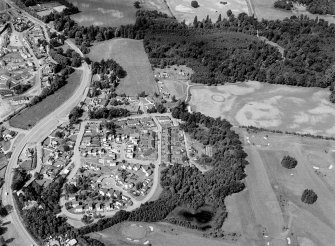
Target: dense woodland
67, 58
216, 56
108, 113
322, 7
41, 220
108, 69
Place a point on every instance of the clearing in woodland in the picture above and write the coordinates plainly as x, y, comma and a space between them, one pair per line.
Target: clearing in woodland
131, 56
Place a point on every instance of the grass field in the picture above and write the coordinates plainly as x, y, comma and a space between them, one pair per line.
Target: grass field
104, 13
30, 116
305, 110
264, 9
131, 56
183, 10
161, 235
270, 209
112, 12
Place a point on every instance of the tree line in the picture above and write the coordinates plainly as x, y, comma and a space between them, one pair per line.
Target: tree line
55, 83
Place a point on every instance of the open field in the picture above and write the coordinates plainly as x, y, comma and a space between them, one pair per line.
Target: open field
112, 12
264, 9
270, 209
158, 234
104, 13
131, 56
304, 110
183, 10
30, 116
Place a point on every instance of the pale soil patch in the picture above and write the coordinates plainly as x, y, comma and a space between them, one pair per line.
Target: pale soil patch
286, 108
183, 10
131, 56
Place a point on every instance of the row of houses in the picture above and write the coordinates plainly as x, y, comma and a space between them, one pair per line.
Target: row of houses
173, 146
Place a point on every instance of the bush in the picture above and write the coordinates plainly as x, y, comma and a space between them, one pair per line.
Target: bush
309, 196
289, 162
195, 4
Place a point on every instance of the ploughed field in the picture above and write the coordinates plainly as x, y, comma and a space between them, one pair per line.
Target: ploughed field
275, 107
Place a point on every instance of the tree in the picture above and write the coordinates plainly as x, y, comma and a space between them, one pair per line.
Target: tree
137, 5
219, 19
195, 4
229, 13
142, 94
139, 185
59, 134
195, 22
289, 162
309, 196
332, 97
66, 148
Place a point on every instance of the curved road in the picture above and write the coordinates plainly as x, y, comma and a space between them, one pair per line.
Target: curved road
37, 133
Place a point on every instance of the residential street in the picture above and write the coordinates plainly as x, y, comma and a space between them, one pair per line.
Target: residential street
38, 133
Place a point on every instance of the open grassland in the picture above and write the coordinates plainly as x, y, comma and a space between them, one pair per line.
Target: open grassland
113, 12
131, 56
104, 13
293, 109
264, 9
270, 210
183, 10
161, 235
31, 115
